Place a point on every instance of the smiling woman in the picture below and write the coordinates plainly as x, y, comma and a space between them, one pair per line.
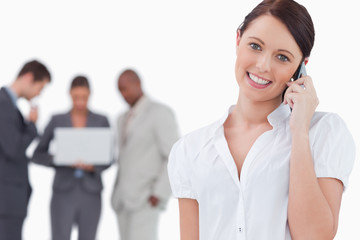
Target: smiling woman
268, 56
284, 165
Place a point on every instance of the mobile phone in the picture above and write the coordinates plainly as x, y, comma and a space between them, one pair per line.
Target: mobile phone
301, 71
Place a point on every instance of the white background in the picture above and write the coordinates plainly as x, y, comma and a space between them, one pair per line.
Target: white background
185, 54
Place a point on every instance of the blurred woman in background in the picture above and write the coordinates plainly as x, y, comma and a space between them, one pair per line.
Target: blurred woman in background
76, 198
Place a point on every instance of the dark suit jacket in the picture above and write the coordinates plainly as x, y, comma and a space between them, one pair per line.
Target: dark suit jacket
16, 134
64, 176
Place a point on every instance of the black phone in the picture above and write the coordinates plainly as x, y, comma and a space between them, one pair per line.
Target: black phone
301, 71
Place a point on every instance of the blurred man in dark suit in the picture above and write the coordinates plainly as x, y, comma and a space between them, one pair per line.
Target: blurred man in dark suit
16, 134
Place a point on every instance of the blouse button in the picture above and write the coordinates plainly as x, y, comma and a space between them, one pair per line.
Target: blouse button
240, 229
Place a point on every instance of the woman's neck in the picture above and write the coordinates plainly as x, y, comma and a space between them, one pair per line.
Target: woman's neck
79, 118
79, 112
249, 113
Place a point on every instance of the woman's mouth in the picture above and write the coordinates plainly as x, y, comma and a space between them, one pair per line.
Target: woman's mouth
258, 82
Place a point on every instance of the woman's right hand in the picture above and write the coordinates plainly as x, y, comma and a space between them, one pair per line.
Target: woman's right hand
301, 97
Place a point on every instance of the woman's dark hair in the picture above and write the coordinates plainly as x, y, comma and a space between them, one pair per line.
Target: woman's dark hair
80, 81
293, 15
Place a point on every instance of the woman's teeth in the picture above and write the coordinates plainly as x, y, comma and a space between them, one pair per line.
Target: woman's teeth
258, 80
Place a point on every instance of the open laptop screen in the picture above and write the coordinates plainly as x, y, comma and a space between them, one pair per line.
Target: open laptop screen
87, 145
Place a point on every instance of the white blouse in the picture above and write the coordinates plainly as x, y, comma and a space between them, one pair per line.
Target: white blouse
201, 167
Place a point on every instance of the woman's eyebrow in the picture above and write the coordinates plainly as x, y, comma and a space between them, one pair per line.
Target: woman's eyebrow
262, 42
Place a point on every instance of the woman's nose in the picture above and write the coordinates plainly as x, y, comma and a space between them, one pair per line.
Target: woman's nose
263, 63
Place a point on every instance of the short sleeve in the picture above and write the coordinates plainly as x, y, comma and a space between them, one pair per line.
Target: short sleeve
333, 149
179, 171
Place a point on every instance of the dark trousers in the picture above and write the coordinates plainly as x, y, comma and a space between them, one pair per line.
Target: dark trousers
10, 228
76, 207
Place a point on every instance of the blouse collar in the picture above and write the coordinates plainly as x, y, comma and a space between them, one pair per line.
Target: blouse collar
281, 113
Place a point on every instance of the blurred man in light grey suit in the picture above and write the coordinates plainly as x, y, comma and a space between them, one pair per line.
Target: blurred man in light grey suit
146, 133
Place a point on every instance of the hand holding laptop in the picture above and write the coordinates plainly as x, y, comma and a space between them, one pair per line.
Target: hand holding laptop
83, 166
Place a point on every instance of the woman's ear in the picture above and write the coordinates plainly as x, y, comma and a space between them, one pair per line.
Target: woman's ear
238, 37
306, 60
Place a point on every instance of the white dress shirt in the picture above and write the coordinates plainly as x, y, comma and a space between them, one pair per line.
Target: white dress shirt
201, 167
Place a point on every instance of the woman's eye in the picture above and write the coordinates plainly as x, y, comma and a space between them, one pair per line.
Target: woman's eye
283, 58
255, 46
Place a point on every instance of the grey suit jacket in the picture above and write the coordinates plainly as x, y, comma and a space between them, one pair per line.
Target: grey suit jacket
64, 176
16, 134
142, 161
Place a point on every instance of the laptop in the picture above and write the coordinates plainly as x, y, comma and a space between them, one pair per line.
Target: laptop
91, 146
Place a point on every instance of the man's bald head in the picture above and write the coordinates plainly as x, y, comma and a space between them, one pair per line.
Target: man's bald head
129, 85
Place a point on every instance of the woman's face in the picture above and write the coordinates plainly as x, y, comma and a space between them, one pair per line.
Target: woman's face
267, 57
80, 96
